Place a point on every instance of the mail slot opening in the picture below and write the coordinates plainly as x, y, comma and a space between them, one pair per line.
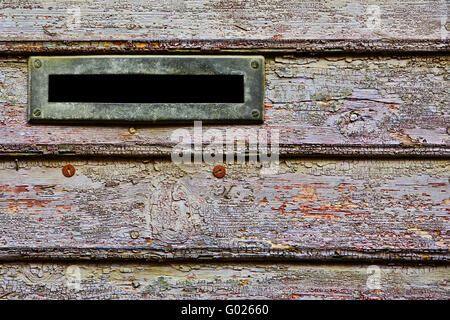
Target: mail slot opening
146, 88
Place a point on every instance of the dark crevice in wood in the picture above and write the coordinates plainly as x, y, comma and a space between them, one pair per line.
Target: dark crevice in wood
209, 255
164, 151
221, 46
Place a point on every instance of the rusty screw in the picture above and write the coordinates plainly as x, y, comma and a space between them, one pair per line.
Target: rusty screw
68, 170
37, 63
254, 64
219, 171
37, 112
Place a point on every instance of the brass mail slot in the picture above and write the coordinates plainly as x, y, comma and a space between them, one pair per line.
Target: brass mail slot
146, 89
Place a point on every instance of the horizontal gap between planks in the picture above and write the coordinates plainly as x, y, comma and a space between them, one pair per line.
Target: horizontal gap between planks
334, 46
223, 262
164, 151
207, 255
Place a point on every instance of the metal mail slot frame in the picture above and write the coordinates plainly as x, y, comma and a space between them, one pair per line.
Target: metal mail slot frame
251, 110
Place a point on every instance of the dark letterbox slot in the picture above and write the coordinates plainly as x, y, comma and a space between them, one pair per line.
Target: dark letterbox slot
146, 89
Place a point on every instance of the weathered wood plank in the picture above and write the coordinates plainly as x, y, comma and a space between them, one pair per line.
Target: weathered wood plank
158, 210
221, 281
208, 24
321, 106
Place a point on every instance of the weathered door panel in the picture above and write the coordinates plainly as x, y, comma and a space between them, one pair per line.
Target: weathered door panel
359, 93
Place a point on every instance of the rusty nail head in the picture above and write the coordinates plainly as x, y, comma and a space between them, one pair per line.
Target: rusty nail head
254, 64
132, 130
37, 63
219, 171
68, 170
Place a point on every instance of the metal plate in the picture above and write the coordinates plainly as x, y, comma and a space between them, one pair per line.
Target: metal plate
250, 111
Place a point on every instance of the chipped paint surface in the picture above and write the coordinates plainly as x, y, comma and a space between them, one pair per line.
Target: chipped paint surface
219, 281
327, 92
366, 209
226, 19
331, 105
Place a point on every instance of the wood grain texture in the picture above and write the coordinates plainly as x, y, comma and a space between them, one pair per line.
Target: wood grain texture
221, 281
157, 210
348, 25
337, 105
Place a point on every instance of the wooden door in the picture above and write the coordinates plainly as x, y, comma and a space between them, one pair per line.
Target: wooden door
357, 208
